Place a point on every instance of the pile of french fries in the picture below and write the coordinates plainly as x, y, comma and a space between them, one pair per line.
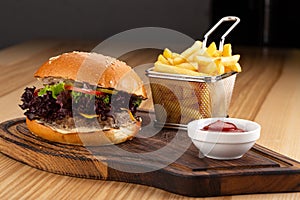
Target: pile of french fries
198, 61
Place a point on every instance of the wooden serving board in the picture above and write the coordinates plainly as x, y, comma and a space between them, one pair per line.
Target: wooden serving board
258, 171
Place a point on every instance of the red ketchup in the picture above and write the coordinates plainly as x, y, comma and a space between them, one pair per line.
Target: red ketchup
222, 126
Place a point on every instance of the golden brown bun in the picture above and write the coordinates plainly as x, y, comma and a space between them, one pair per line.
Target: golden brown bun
95, 69
112, 136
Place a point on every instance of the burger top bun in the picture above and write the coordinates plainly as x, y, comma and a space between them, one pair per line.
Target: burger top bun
94, 68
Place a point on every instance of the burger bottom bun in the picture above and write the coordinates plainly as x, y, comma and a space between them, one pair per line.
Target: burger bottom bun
97, 138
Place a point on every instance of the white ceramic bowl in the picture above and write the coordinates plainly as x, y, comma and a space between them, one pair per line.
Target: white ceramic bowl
223, 145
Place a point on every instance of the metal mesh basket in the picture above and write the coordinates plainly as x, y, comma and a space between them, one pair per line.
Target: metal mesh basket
179, 99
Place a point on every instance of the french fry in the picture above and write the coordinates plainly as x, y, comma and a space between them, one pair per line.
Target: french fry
170, 60
227, 69
211, 49
191, 58
210, 69
203, 60
175, 55
167, 53
189, 51
160, 67
236, 67
230, 60
221, 69
195, 65
196, 60
227, 51
162, 59
190, 66
178, 60
217, 53
220, 66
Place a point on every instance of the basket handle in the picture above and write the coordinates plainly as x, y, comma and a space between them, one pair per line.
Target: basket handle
228, 18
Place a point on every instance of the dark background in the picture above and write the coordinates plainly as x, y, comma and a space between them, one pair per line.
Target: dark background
263, 22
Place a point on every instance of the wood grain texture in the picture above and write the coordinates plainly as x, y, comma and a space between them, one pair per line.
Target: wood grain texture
16, 73
188, 175
261, 70
260, 94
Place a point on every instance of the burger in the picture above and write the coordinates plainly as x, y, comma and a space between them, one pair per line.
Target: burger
86, 99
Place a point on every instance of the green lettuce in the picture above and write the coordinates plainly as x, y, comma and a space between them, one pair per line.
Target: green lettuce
56, 89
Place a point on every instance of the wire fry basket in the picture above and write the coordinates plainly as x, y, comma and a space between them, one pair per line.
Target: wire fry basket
179, 99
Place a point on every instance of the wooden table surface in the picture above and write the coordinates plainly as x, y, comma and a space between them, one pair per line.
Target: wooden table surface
267, 91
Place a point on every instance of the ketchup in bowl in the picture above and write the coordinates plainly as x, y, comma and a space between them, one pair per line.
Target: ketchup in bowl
220, 125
